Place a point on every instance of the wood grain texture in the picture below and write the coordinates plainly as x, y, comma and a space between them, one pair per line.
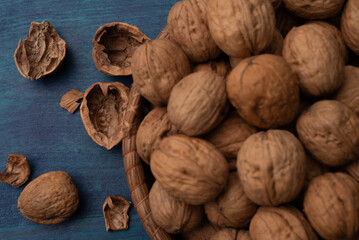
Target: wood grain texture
33, 124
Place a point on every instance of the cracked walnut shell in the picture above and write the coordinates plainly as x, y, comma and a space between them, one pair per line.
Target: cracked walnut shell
102, 110
115, 210
41, 53
349, 25
190, 169
171, 214
17, 170
271, 166
331, 204
113, 47
49, 199
156, 67
329, 130
241, 28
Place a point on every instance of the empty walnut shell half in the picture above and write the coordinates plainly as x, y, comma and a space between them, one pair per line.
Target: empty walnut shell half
113, 46
49, 199
102, 110
115, 210
17, 170
41, 53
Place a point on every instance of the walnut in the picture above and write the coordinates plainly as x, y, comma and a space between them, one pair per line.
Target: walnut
313, 53
17, 170
102, 110
190, 169
231, 208
49, 199
70, 101
187, 26
220, 66
198, 103
204, 232
349, 92
331, 204
353, 169
349, 25
329, 130
113, 47
229, 136
156, 67
234, 61
246, 31
271, 166
314, 9
115, 210
280, 223
231, 234
173, 215
276, 46
152, 129
264, 90
41, 53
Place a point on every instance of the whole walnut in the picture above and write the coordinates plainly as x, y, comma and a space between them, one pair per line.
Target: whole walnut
231, 208
242, 32
349, 25
314, 9
331, 204
349, 92
173, 215
187, 26
353, 170
152, 129
313, 53
229, 136
271, 166
280, 223
49, 199
231, 234
198, 103
329, 130
156, 67
190, 169
264, 90
205, 232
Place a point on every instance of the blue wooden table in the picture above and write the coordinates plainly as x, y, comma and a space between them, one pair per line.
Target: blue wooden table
33, 124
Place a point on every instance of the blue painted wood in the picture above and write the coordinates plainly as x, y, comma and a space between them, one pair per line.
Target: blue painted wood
33, 124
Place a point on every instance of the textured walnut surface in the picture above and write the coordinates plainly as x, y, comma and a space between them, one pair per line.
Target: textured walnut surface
349, 92
220, 66
349, 25
271, 166
70, 101
280, 223
231, 234
49, 199
314, 9
17, 170
190, 169
113, 47
198, 103
331, 204
204, 232
264, 90
171, 214
241, 27
102, 110
41, 52
115, 210
329, 130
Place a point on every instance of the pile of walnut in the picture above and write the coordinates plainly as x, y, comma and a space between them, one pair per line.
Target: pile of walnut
254, 132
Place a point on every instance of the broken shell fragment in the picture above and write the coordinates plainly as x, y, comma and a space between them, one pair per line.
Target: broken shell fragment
17, 170
115, 211
70, 101
102, 110
41, 53
113, 46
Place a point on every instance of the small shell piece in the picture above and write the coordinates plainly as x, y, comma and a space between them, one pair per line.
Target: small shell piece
17, 170
102, 110
349, 25
231, 234
113, 47
41, 53
280, 223
70, 101
314, 9
331, 204
171, 214
115, 210
329, 130
241, 28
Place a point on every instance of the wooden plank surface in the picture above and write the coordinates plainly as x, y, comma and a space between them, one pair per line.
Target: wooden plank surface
33, 124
